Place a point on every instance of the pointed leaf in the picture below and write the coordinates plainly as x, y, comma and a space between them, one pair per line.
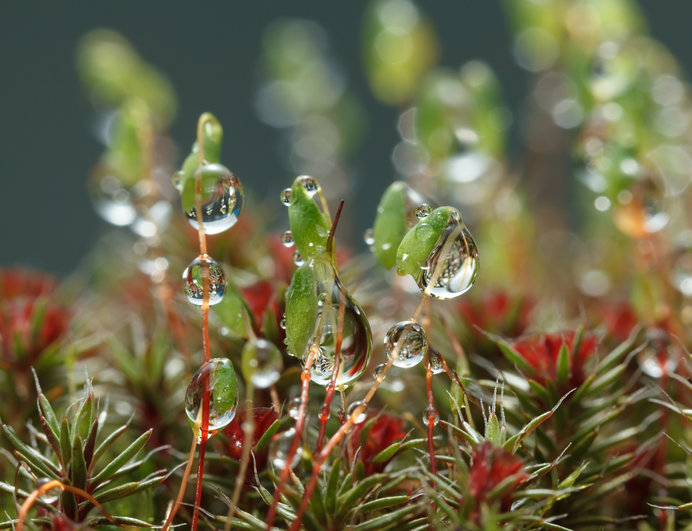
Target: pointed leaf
123, 458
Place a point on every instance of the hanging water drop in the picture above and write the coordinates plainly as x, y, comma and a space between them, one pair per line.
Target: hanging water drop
341, 329
262, 363
193, 280
407, 343
431, 414
452, 265
369, 237
279, 450
297, 259
217, 379
221, 199
436, 366
362, 415
294, 408
423, 211
310, 185
378, 373
285, 197
287, 239
282, 324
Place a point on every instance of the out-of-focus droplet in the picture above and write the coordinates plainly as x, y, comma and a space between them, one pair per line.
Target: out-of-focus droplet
641, 209
423, 211
661, 355
294, 408
287, 239
362, 415
369, 237
682, 263
285, 197
222, 198
279, 450
217, 378
193, 280
431, 413
452, 266
407, 343
112, 200
50, 496
262, 363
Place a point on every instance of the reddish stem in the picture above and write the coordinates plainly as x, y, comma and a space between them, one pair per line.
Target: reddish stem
431, 413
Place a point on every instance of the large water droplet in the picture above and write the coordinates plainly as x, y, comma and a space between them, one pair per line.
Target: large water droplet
452, 266
310, 185
217, 378
339, 319
193, 282
408, 342
262, 363
279, 450
222, 198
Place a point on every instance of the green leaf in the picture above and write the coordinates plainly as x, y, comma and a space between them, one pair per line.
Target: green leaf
347, 501
65, 446
225, 390
230, 312
386, 519
514, 357
78, 468
382, 503
90, 443
492, 430
564, 366
390, 224
267, 436
386, 454
309, 225
46, 411
34, 459
127, 489
122, 458
108, 441
301, 310
420, 240
332, 484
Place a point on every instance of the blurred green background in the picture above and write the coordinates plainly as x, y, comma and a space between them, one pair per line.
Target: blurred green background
209, 51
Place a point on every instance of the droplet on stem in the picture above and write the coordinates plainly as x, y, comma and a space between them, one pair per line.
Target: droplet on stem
407, 342
362, 415
219, 376
193, 281
222, 198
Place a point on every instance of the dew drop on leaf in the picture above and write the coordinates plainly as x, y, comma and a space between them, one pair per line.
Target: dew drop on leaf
285, 197
217, 378
193, 281
287, 239
222, 198
423, 211
407, 342
310, 185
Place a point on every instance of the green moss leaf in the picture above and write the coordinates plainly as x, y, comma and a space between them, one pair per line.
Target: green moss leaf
420, 240
301, 310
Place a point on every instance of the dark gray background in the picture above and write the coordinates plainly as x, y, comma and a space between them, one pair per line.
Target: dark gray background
46, 147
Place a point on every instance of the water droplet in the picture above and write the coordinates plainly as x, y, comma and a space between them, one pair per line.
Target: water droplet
431, 413
222, 198
423, 211
353, 336
282, 324
369, 237
641, 208
151, 215
112, 200
50, 496
294, 408
436, 366
279, 450
297, 259
193, 283
378, 373
452, 266
287, 239
262, 363
660, 356
682, 263
285, 197
310, 185
408, 341
216, 377
363, 414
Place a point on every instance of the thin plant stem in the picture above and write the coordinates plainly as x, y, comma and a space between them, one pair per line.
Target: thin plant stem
50, 485
431, 399
183, 482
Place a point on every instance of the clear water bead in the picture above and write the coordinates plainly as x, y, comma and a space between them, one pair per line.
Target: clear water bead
285, 197
423, 211
407, 342
262, 363
297, 259
369, 237
294, 408
310, 185
436, 366
452, 266
287, 239
279, 450
222, 198
217, 378
193, 280
431, 413
363, 414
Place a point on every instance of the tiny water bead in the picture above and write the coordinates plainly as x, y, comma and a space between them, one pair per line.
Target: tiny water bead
378, 373
297, 259
280, 447
222, 198
310, 185
369, 237
294, 408
217, 378
436, 366
431, 414
262, 363
193, 281
452, 266
407, 342
362, 415
661, 355
287, 239
285, 197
